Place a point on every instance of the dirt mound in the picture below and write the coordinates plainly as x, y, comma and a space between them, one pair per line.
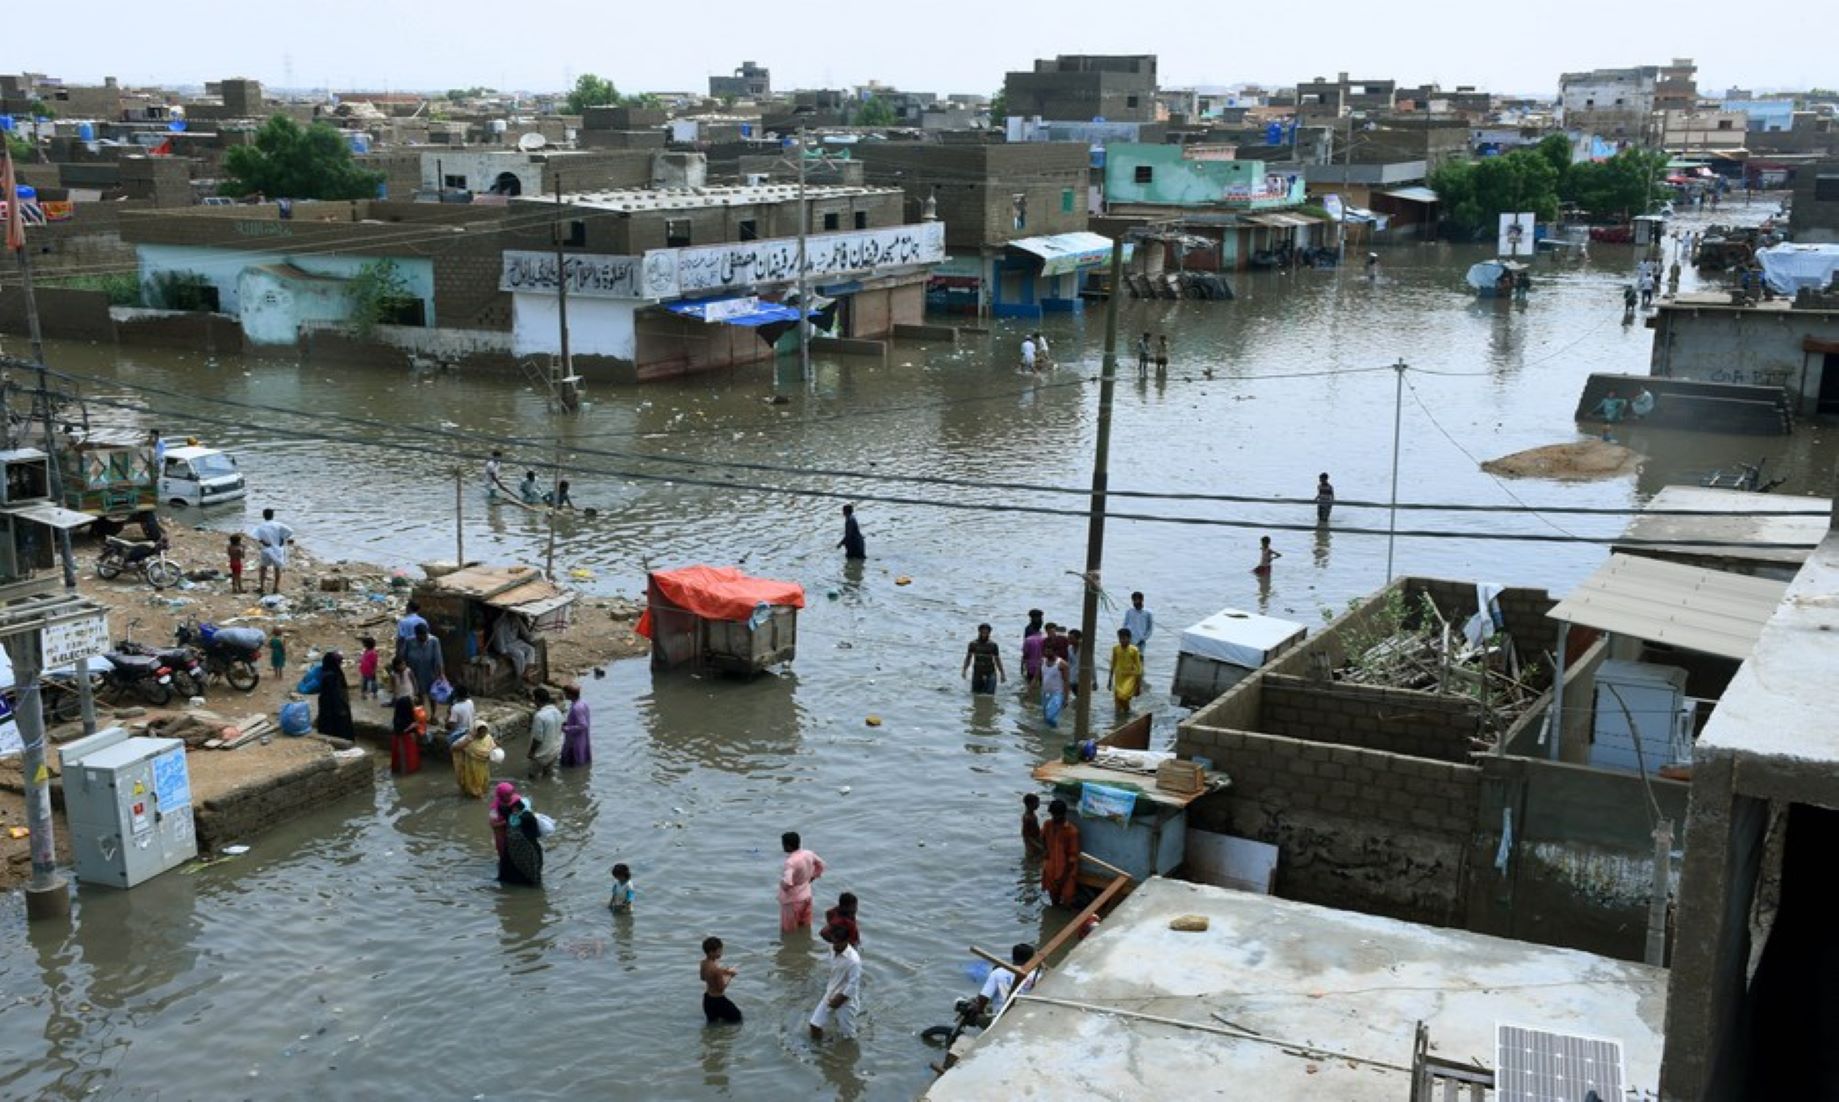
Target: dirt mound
1583, 460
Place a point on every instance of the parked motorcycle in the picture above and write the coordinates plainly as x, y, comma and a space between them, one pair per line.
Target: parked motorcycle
137, 673
233, 654
188, 674
147, 556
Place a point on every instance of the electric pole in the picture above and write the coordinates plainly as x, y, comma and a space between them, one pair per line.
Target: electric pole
804, 228
1095, 525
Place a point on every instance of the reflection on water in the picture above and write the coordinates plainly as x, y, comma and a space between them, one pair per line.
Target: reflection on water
374, 926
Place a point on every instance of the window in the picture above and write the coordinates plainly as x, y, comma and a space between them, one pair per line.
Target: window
577, 233
830, 220
1130, 101
1018, 210
1145, 174
676, 233
454, 182
1826, 189
862, 220
1066, 200
750, 230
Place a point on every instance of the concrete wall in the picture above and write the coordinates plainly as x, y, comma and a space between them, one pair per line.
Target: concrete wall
245, 812
1810, 219
1756, 347
1397, 721
1357, 829
273, 307
224, 268
975, 186
63, 312
596, 327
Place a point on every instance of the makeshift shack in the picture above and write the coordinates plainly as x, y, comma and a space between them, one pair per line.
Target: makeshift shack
491, 621
712, 617
1224, 649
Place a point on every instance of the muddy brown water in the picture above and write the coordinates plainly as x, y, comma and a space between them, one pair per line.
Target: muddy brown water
365, 949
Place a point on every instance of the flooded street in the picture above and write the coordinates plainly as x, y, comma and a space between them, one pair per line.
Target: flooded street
366, 950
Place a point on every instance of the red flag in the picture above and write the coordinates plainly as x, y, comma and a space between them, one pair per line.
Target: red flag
15, 219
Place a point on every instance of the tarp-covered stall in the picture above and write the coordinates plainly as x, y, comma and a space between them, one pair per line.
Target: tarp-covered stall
720, 618
1791, 268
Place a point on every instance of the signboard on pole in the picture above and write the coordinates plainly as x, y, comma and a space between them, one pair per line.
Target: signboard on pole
1516, 236
68, 640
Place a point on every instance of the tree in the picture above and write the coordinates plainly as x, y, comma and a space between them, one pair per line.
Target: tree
999, 108
1618, 188
874, 112
1556, 148
20, 148
591, 91
296, 162
1475, 193
477, 90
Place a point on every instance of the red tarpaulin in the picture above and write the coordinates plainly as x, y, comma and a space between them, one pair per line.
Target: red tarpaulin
718, 593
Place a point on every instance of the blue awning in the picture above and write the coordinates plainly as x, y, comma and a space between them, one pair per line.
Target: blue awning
749, 312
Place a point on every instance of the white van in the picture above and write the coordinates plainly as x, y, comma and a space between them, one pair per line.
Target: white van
199, 476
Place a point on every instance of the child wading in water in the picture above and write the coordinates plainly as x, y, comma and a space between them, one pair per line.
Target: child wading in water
1266, 556
235, 552
621, 901
716, 1006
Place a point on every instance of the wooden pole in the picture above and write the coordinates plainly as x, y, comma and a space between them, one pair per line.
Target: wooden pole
459, 522
1095, 524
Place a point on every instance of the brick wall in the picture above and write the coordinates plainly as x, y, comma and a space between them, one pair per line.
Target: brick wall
975, 186
1357, 829
1393, 720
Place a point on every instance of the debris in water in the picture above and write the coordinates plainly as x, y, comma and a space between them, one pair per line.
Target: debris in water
874, 721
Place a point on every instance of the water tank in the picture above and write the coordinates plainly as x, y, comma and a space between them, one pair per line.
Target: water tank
498, 126
6, 124
360, 143
86, 132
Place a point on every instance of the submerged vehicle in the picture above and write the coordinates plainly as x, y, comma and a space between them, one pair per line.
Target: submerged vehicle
194, 475
1499, 278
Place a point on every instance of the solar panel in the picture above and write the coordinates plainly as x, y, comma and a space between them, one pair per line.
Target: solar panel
1532, 1065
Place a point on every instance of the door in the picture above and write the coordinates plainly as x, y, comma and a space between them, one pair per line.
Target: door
179, 483
1829, 383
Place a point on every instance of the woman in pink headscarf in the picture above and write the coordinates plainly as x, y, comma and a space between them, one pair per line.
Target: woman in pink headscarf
504, 800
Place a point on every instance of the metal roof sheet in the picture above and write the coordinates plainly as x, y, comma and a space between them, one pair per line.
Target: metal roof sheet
1412, 194
1682, 606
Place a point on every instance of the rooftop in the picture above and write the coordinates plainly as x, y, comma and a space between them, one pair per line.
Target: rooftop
1765, 521
1348, 987
631, 199
1780, 703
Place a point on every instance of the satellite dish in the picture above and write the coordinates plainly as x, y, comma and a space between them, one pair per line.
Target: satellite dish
531, 142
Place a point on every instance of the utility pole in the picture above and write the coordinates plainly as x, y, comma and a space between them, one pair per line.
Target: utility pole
459, 520
804, 228
1398, 417
567, 372
1095, 524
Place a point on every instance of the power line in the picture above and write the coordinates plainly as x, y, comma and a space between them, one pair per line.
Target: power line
448, 454
937, 480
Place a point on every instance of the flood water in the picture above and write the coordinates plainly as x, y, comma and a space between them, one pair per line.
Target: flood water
365, 950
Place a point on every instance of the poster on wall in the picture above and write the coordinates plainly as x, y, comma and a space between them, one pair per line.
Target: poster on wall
1516, 235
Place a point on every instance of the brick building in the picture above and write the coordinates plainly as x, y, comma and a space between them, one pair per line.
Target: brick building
1077, 87
1611, 103
1015, 218
1331, 99
748, 81
671, 282
1814, 214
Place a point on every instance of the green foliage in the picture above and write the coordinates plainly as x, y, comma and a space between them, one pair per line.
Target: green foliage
296, 162
20, 148
999, 108
378, 295
42, 110
123, 288
874, 112
591, 91
1475, 193
1556, 148
642, 99
182, 291
1619, 188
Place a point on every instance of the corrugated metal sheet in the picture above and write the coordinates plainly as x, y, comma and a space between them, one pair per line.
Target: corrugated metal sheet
1412, 194
1682, 606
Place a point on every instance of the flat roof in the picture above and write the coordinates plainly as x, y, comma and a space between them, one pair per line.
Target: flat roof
631, 199
1710, 611
1751, 518
1305, 979
1780, 704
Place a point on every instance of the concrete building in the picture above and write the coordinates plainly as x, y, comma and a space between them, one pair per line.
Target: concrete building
1695, 131
1750, 999
1617, 104
1814, 215
1332, 99
1285, 1001
748, 81
670, 282
1472, 104
1676, 86
1705, 337
1006, 208
1238, 207
510, 173
1765, 116
1078, 87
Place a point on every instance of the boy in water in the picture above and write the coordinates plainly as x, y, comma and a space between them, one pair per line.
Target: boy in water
1033, 845
621, 902
716, 1006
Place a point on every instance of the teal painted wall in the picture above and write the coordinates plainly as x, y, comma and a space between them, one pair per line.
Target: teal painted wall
1180, 181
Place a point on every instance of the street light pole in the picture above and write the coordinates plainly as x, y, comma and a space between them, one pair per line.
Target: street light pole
1095, 525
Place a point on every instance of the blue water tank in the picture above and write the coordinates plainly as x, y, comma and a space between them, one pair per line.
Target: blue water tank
177, 126
360, 143
6, 123
86, 132
26, 191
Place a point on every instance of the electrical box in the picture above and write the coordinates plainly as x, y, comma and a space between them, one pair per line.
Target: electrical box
128, 806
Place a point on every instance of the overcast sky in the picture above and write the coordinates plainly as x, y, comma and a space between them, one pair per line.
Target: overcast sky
942, 47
